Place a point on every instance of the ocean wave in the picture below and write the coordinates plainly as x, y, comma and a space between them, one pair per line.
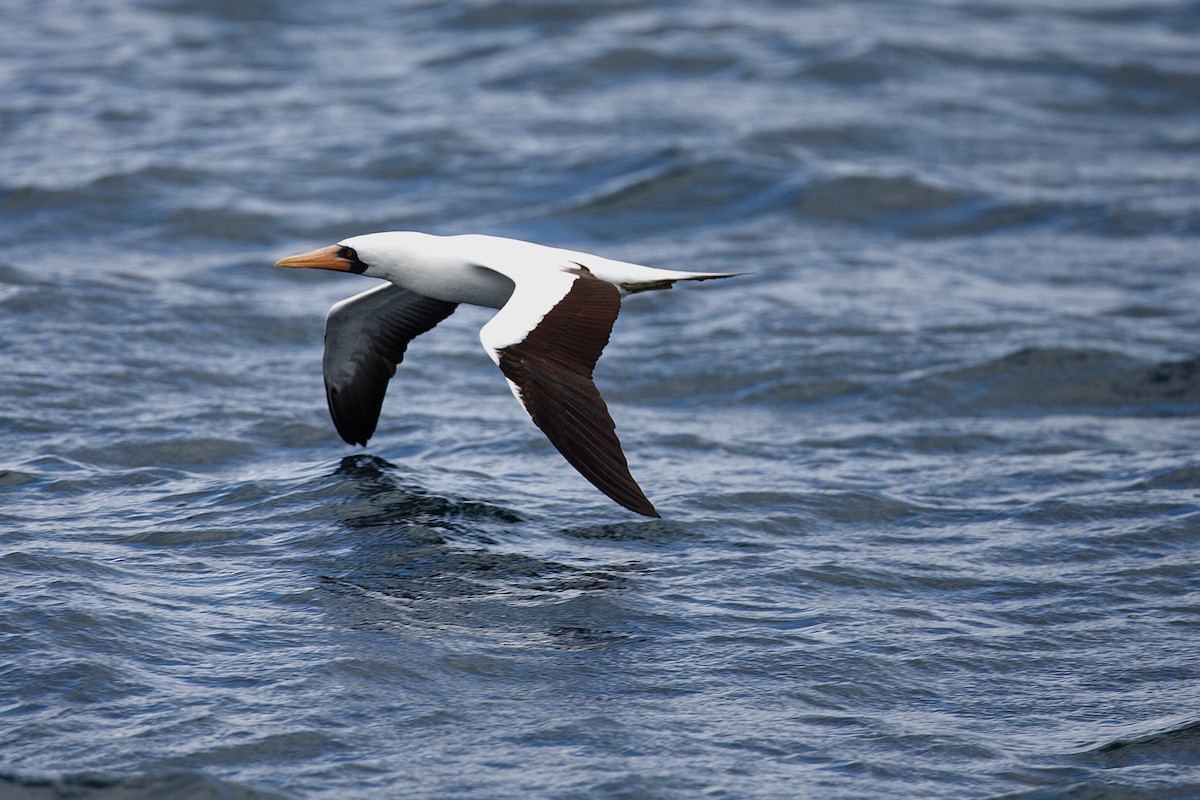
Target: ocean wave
1067, 380
676, 191
99, 786
928, 474
1176, 745
680, 192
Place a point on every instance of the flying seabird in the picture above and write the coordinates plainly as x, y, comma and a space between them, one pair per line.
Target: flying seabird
556, 311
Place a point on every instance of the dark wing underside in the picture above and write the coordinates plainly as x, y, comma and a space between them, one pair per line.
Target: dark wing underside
552, 370
365, 338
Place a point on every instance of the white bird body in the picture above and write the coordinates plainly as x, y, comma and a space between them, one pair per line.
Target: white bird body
556, 310
464, 268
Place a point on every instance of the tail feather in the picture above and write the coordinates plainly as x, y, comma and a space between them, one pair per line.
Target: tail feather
632, 287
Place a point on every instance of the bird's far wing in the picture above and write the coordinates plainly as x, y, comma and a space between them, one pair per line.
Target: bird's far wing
546, 340
365, 338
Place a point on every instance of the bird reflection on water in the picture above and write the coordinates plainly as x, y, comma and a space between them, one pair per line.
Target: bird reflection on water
422, 562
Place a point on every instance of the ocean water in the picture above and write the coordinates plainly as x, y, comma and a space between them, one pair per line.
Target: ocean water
929, 473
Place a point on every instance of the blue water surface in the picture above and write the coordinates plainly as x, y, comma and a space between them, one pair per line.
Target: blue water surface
929, 473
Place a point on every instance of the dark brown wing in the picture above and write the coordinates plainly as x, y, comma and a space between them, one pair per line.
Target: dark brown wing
551, 368
365, 338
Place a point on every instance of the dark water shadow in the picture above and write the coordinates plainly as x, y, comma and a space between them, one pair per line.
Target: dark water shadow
388, 499
644, 531
419, 562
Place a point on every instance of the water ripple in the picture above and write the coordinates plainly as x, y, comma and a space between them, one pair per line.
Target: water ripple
928, 470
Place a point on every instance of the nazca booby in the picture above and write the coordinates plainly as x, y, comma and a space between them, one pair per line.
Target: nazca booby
556, 311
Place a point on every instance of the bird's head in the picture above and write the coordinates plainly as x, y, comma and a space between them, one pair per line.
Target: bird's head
376, 255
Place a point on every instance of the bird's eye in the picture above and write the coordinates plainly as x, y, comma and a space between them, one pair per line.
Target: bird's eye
351, 255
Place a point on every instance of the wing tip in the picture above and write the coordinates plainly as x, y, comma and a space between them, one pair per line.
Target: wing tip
630, 497
647, 511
